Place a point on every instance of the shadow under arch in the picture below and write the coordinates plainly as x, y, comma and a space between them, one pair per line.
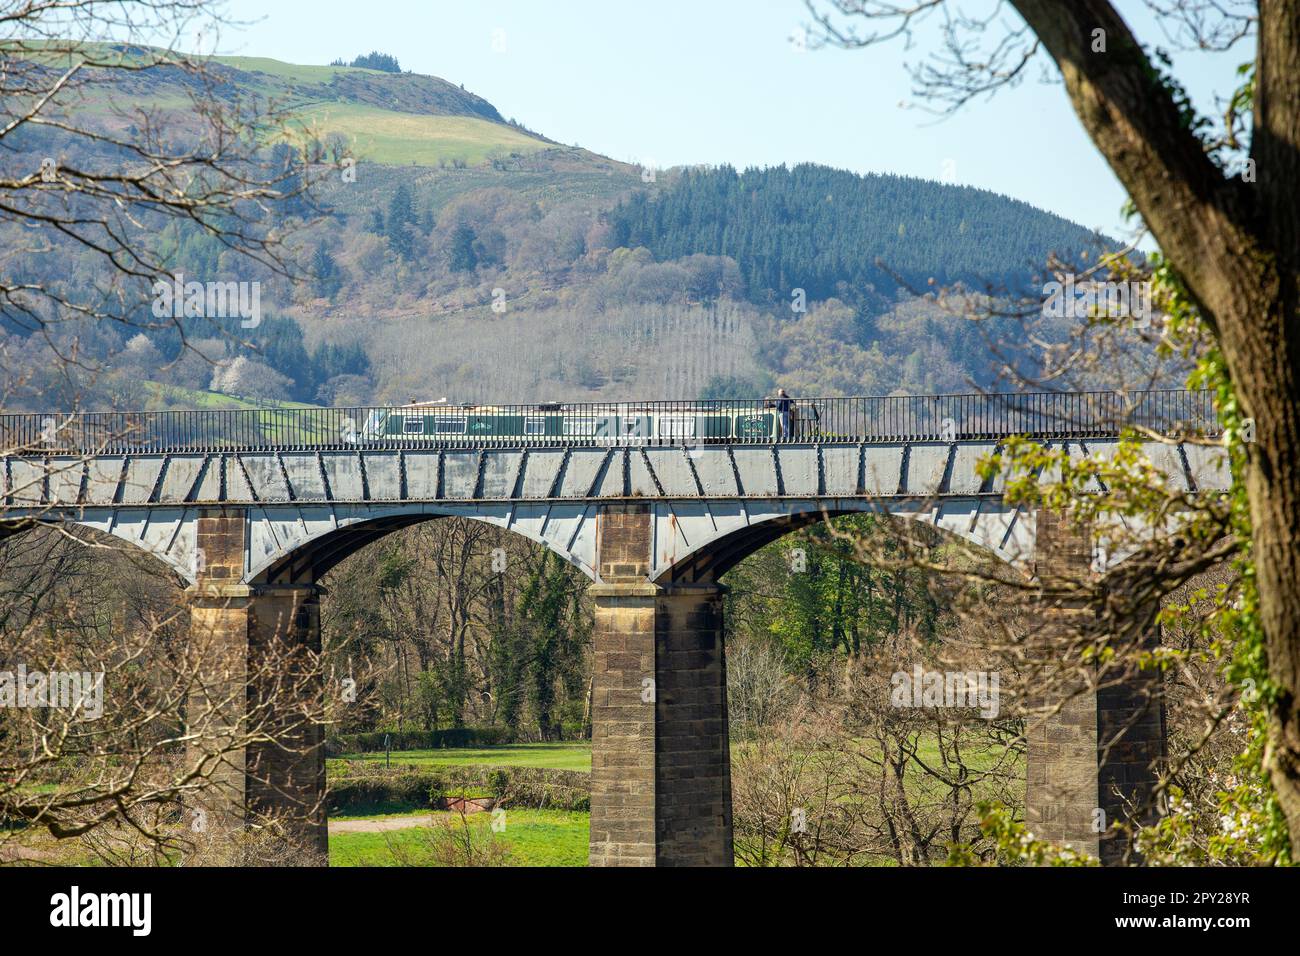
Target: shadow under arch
317, 557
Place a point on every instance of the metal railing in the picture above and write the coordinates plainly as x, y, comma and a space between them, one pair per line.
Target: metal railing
866, 419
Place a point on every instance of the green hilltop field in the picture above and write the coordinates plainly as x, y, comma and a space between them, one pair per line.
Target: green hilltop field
400, 119
410, 139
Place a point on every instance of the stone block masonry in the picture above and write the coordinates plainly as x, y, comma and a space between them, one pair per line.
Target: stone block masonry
661, 774
1094, 759
253, 712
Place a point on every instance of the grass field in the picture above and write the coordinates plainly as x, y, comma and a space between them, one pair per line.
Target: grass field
406, 139
531, 837
432, 133
198, 398
293, 72
562, 756
386, 136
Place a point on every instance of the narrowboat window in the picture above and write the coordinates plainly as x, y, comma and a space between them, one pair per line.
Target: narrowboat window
414, 425
449, 426
580, 426
534, 426
676, 426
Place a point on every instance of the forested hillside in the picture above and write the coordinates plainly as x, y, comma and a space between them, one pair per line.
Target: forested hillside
443, 251
835, 233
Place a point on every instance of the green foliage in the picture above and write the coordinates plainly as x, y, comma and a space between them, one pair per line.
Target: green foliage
544, 650
330, 360
461, 254
835, 233
1250, 824
367, 787
279, 344
395, 569
1261, 821
430, 698
1160, 70
1243, 812
327, 278
812, 593
498, 782
736, 387
1014, 844
401, 221
397, 791
374, 61
373, 741
552, 755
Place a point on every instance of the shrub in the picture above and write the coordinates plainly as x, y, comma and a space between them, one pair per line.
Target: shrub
437, 790
396, 790
370, 786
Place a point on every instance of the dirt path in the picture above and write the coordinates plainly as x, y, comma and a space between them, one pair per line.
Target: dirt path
379, 826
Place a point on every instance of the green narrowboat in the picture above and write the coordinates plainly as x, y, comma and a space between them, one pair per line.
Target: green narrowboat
560, 424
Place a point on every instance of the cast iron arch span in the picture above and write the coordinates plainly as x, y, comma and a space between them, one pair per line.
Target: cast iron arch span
91, 534
695, 541
284, 543
162, 536
283, 538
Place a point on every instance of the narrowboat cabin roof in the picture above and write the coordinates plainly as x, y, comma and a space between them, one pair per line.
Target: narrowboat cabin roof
583, 408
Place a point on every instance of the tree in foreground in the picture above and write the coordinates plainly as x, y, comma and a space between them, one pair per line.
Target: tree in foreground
1222, 200
119, 729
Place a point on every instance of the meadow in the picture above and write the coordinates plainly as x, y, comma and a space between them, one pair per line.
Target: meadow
528, 838
409, 139
551, 756
409, 834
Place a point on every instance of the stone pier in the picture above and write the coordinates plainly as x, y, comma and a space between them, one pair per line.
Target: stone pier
255, 710
661, 770
1095, 761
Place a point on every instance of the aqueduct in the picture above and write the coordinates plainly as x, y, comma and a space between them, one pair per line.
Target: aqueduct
252, 524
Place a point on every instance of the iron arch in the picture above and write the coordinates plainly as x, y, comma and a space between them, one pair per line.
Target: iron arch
703, 552
292, 547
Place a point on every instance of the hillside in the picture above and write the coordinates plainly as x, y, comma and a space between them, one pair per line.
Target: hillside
391, 118
397, 119
398, 92
472, 258
832, 232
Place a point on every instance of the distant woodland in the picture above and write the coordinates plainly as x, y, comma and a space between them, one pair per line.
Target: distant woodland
555, 274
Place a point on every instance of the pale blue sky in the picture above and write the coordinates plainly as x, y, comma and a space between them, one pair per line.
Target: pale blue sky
719, 81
